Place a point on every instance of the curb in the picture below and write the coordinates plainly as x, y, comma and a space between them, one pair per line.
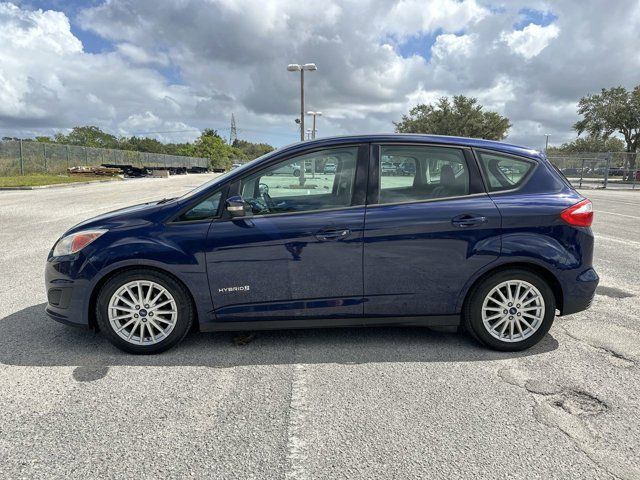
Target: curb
79, 184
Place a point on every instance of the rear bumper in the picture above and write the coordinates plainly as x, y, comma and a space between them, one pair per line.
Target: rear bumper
578, 294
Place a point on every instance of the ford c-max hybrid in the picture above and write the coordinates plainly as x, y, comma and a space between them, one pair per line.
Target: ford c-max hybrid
482, 235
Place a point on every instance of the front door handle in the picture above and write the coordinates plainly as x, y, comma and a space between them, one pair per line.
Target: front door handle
468, 220
332, 234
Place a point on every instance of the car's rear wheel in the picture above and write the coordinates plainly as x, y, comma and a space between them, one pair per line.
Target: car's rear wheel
511, 310
144, 311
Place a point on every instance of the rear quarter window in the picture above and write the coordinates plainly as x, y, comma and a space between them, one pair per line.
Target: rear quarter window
504, 172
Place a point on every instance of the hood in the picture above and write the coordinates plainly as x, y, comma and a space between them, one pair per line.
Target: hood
125, 217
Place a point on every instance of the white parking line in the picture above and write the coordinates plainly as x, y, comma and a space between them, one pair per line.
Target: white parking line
618, 214
612, 199
296, 446
617, 240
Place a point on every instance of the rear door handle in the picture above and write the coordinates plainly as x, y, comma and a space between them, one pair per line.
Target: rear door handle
332, 234
468, 220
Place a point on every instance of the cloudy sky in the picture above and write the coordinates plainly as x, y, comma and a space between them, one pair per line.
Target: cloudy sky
169, 68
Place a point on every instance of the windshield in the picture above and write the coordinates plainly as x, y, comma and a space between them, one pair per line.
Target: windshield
224, 176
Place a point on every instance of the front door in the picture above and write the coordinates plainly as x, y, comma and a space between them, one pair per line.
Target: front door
300, 254
429, 228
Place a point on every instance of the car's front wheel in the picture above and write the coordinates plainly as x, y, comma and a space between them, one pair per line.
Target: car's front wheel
511, 310
144, 311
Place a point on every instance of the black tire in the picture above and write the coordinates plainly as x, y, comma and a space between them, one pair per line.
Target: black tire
296, 173
185, 316
472, 311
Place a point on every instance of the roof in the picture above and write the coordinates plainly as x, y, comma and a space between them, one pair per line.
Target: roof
419, 138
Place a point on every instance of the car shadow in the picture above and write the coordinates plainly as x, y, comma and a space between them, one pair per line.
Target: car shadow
30, 338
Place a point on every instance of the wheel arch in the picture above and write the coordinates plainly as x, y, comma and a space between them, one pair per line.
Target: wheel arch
536, 268
93, 298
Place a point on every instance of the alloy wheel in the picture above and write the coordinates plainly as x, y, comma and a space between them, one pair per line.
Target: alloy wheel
513, 311
142, 312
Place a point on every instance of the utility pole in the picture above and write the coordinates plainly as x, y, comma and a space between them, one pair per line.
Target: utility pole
233, 134
546, 145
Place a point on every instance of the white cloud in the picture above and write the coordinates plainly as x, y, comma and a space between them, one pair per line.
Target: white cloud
137, 55
47, 30
47, 80
411, 17
168, 131
187, 64
453, 45
531, 40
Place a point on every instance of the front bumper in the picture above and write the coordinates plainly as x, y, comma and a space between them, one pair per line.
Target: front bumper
68, 290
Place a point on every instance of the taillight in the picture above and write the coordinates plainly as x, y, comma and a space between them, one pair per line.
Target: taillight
579, 215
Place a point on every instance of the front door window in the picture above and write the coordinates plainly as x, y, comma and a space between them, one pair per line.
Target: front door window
327, 183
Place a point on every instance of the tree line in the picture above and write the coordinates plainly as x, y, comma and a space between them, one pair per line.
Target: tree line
209, 145
610, 120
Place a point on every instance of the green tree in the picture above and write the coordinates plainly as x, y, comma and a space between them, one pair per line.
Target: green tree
613, 110
589, 144
252, 150
89, 136
462, 117
143, 144
212, 146
209, 145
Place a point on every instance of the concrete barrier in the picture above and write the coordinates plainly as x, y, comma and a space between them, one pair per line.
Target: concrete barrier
160, 173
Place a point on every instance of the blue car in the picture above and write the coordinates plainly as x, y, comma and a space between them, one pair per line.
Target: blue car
481, 235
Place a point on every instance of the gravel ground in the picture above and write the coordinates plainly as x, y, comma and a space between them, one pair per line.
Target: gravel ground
344, 403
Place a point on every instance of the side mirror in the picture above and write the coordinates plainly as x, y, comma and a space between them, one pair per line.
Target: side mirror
237, 207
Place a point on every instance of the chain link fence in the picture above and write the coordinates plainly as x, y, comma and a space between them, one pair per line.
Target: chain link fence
600, 170
19, 157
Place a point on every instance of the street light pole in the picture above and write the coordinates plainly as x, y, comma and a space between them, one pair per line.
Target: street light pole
314, 130
302, 104
295, 67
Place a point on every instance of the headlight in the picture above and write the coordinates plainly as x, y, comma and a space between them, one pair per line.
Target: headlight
75, 242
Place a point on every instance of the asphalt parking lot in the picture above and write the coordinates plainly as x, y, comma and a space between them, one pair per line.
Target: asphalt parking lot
343, 403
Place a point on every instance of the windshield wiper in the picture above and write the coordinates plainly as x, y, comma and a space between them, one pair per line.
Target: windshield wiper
165, 200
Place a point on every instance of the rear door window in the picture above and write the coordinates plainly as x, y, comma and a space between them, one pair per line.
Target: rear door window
410, 173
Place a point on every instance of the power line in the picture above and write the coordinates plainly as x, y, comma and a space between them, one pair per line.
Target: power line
237, 130
166, 131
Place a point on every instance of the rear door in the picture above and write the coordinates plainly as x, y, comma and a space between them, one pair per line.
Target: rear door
300, 255
428, 229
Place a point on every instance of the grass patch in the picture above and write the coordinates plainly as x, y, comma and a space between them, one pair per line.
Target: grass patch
37, 180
